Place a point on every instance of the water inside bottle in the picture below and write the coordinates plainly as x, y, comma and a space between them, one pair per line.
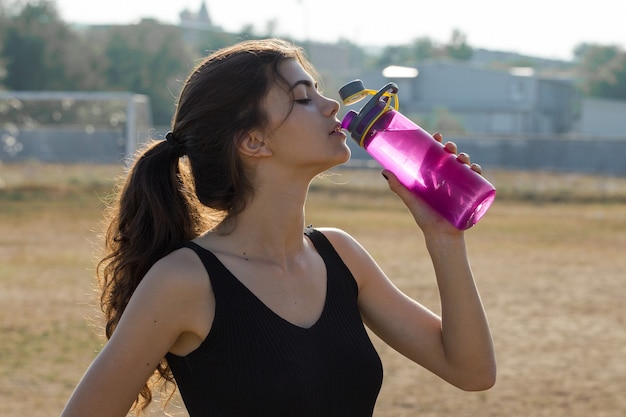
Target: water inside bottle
434, 174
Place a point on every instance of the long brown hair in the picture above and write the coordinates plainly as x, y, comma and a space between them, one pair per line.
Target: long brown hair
165, 199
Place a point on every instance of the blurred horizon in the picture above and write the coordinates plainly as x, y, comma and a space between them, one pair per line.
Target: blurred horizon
537, 28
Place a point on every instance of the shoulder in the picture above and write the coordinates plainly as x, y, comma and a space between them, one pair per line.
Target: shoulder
343, 242
178, 283
173, 299
352, 253
180, 270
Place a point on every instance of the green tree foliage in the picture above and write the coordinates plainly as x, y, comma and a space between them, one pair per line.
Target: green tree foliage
38, 51
458, 48
206, 42
419, 50
148, 58
424, 48
4, 22
602, 70
41, 52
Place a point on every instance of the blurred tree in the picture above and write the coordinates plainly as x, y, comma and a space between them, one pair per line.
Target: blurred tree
395, 55
602, 70
458, 48
412, 54
424, 48
4, 23
148, 58
209, 41
42, 53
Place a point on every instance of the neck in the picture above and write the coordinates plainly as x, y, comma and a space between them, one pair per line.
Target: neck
271, 226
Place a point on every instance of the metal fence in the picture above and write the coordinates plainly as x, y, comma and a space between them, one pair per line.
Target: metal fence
599, 156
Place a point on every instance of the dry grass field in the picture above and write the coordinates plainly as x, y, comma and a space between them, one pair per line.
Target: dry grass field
548, 258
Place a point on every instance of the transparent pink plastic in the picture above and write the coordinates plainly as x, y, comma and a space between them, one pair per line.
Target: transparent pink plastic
422, 165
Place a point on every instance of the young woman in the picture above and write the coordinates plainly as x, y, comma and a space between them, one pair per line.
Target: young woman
212, 278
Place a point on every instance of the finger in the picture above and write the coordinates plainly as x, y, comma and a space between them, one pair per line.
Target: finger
463, 157
450, 147
476, 168
438, 137
392, 180
394, 184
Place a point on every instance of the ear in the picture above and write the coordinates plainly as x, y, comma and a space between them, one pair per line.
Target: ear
253, 144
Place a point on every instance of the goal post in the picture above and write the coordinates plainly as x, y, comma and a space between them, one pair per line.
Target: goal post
60, 126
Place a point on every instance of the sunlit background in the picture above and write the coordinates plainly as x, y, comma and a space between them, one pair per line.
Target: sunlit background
534, 91
104, 75
549, 29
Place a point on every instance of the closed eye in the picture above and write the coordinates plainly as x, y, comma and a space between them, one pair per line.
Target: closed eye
304, 101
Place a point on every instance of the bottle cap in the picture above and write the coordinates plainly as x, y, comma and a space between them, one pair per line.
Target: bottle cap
358, 124
353, 92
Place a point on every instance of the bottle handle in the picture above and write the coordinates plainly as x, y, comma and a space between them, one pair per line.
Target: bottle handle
387, 94
354, 92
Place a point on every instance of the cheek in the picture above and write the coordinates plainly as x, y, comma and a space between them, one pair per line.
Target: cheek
278, 107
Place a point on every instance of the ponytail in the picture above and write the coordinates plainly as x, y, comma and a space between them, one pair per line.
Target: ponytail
155, 210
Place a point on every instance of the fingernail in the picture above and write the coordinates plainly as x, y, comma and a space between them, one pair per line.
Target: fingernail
385, 176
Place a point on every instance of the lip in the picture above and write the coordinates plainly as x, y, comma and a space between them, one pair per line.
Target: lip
337, 129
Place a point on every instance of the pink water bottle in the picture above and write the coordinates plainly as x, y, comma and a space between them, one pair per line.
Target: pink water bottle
420, 162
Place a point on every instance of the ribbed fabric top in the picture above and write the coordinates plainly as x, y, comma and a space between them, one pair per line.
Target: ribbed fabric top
255, 363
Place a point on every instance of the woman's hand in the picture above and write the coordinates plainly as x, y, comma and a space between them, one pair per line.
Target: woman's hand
462, 157
428, 219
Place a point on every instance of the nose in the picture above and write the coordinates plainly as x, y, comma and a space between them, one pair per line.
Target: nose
331, 106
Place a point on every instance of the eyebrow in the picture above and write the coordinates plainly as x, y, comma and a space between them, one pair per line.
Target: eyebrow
307, 83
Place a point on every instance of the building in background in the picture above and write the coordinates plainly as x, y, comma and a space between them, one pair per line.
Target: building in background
497, 102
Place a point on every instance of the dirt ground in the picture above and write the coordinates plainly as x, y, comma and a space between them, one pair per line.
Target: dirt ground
552, 278
551, 275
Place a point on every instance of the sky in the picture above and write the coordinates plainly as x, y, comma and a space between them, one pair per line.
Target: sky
542, 28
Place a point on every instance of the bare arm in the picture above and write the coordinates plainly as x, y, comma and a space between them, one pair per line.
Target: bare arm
456, 346
160, 312
465, 336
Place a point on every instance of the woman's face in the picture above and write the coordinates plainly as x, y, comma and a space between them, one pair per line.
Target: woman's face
303, 130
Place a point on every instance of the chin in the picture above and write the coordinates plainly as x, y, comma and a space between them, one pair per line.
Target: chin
348, 153
343, 157
335, 162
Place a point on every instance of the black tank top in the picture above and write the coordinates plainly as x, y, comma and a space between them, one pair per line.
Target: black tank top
255, 363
